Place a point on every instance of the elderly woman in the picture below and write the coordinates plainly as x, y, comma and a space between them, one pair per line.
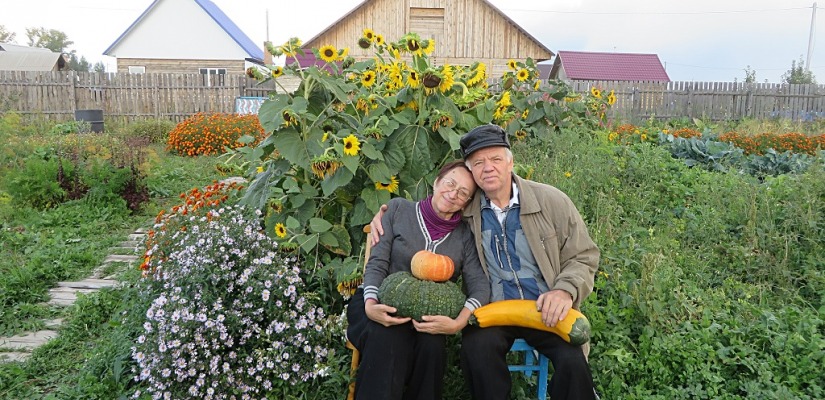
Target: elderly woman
400, 357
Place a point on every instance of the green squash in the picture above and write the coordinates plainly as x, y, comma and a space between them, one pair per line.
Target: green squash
413, 297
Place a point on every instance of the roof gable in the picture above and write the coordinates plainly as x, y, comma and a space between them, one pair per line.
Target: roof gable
312, 42
23, 58
214, 13
580, 65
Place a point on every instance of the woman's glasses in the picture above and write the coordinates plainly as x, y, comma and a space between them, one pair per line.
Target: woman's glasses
452, 186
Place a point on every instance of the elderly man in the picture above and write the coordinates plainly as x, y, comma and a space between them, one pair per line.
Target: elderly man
533, 244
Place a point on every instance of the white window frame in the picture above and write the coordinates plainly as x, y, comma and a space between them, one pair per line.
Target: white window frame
212, 71
137, 69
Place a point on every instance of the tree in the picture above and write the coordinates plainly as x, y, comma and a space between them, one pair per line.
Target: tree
99, 67
6, 36
798, 74
750, 75
51, 39
78, 65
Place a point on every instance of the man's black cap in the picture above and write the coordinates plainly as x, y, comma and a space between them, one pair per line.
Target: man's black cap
481, 137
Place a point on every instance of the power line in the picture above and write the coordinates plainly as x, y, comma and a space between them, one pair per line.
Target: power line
657, 13
734, 68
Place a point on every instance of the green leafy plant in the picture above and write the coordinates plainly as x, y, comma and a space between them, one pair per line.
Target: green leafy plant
354, 134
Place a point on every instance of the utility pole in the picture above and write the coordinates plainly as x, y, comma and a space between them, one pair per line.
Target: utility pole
811, 38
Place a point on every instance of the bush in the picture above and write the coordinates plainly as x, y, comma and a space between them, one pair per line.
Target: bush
229, 314
213, 133
153, 130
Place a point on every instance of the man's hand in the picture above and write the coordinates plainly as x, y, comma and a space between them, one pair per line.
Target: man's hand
376, 229
380, 313
554, 306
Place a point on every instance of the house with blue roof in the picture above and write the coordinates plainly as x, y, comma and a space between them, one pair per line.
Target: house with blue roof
185, 36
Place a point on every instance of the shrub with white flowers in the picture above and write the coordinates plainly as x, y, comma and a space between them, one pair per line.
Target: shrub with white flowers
229, 315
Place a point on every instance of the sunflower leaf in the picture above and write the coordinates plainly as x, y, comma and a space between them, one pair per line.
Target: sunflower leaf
319, 225
379, 172
341, 177
291, 146
414, 141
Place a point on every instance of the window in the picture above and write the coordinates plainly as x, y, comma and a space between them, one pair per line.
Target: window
429, 24
213, 76
137, 69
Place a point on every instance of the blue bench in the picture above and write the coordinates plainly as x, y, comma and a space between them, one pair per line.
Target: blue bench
532, 364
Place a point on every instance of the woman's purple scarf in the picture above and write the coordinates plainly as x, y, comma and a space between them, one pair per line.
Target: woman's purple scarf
436, 226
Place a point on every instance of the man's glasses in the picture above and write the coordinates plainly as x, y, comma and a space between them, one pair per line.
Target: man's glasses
452, 186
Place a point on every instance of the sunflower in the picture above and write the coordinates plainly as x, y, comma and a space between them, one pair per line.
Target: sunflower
277, 71
499, 113
525, 113
505, 100
368, 34
520, 134
611, 99
277, 206
379, 40
391, 187
342, 54
364, 43
522, 75
351, 145
324, 166
413, 79
537, 85
280, 230
428, 46
480, 73
328, 53
512, 64
368, 78
596, 92
396, 54
413, 46
347, 288
448, 81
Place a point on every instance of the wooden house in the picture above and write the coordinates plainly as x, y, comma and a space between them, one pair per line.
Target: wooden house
465, 31
184, 36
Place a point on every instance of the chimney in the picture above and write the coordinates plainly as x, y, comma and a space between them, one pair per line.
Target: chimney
267, 56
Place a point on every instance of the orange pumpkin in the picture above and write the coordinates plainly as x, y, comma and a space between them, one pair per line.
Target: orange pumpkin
428, 266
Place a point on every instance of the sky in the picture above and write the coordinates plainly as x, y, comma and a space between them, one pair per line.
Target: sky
698, 40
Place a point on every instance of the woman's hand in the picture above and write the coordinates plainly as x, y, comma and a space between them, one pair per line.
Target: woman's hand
380, 313
441, 325
437, 325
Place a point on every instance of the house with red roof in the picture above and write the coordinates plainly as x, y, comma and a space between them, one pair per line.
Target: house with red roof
597, 66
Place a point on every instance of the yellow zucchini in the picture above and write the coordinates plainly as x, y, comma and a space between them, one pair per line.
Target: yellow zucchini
574, 329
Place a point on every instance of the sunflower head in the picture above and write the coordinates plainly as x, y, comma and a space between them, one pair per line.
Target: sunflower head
373, 132
364, 43
368, 78
324, 165
368, 34
522, 75
512, 64
520, 134
413, 79
431, 80
428, 46
351, 145
277, 71
596, 92
391, 186
379, 40
328, 53
280, 230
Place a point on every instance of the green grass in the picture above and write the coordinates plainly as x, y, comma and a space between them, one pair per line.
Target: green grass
711, 285
38, 248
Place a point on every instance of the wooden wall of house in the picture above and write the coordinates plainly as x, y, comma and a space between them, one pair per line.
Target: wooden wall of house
159, 66
472, 31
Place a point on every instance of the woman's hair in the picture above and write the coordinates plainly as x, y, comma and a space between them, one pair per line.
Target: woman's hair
451, 166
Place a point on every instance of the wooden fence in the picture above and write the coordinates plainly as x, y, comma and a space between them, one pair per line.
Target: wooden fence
716, 101
57, 95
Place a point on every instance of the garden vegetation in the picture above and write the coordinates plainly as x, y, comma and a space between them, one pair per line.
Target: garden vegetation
711, 283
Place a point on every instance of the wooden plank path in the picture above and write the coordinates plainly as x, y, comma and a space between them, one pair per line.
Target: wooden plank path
18, 348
